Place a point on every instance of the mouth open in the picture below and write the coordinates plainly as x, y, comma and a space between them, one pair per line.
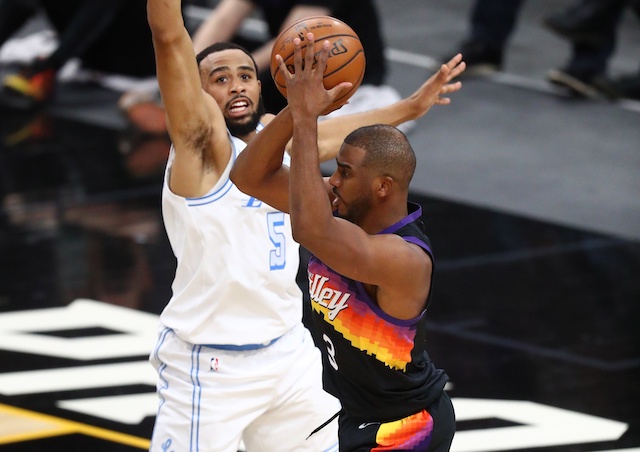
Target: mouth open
336, 201
238, 107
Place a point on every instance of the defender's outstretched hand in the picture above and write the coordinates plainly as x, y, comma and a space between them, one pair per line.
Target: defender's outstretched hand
438, 85
306, 94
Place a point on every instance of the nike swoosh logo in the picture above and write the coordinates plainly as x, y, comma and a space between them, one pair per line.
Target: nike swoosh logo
367, 424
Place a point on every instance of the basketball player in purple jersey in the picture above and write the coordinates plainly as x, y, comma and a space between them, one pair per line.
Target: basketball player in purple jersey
371, 269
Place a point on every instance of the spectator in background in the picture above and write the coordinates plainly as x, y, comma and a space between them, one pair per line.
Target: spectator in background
225, 23
107, 36
591, 27
491, 24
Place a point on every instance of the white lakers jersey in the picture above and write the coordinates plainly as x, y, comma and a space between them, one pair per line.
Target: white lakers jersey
237, 264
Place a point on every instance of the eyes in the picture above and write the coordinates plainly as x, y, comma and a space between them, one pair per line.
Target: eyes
344, 172
245, 77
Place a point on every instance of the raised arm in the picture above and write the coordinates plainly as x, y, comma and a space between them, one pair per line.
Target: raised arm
306, 184
195, 122
433, 91
396, 272
258, 170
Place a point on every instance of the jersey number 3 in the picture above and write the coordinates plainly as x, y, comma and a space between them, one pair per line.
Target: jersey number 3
331, 352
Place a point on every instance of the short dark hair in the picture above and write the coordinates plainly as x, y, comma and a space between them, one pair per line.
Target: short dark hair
387, 151
220, 46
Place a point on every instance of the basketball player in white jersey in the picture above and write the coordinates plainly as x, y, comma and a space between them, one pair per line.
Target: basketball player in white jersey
234, 361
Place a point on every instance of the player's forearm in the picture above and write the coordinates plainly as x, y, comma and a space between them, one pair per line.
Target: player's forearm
309, 204
332, 132
177, 71
416, 105
394, 114
263, 155
165, 18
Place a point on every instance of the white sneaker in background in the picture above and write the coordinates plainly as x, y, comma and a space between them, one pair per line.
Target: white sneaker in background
42, 43
27, 48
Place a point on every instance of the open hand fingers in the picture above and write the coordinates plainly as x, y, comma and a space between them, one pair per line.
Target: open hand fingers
456, 67
297, 56
450, 88
321, 64
453, 62
283, 67
342, 87
309, 53
456, 71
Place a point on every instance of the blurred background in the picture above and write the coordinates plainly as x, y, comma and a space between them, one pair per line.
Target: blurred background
531, 197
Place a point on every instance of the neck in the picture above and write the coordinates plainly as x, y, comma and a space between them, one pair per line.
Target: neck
247, 137
384, 216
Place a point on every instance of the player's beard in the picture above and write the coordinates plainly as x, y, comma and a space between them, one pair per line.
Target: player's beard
239, 128
356, 209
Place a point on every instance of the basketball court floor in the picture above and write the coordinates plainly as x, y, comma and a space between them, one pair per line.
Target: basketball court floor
531, 200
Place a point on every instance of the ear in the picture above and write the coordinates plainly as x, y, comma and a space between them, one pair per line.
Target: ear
384, 186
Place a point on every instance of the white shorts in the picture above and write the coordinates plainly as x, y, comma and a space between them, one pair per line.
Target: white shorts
271, 398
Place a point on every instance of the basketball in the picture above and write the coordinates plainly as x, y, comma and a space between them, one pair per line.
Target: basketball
346, 62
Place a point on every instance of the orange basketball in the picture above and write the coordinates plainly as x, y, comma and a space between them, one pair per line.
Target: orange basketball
346, 62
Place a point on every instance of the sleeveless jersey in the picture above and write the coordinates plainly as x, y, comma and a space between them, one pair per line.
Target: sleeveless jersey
375, 364
235, 282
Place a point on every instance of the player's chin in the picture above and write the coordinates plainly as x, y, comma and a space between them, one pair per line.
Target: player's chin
243, 125
339, 211
244, 116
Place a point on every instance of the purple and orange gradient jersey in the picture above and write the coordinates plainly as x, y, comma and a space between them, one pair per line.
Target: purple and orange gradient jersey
375, 364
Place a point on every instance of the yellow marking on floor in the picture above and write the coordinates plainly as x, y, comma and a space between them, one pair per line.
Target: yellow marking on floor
17, 424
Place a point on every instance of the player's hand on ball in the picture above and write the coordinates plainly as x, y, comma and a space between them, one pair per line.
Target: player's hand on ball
306, 93
346, 60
